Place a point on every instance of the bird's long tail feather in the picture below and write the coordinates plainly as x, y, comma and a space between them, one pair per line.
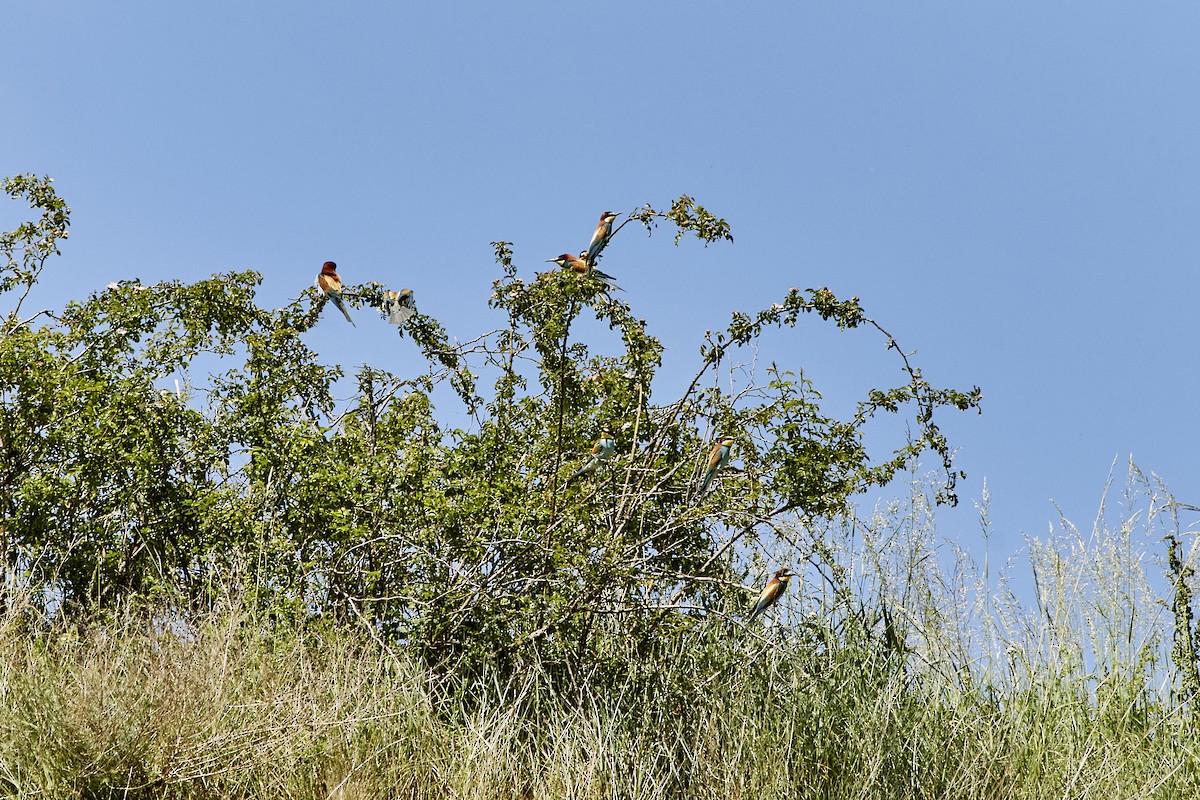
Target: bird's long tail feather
337, 301
607, 280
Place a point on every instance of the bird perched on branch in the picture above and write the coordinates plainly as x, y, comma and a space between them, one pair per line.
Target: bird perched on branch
600, 237
399, 306
602, 450
583, 269
774, 590
718, 458
329, 283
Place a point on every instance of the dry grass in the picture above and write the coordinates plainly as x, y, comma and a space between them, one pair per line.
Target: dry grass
1070, 698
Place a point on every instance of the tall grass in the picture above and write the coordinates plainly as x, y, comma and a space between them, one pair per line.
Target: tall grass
901, 668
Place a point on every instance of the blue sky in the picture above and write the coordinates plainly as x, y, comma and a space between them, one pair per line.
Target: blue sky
1013, 190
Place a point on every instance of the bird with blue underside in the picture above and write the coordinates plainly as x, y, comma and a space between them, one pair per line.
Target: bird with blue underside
604, 449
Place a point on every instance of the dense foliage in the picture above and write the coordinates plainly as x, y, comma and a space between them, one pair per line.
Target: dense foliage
1069, 698
465, 541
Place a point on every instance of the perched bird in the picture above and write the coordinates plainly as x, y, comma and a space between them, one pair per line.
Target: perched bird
718, 458
399, 306
600, 237
581, 267
603, 450
771, 592
329, 283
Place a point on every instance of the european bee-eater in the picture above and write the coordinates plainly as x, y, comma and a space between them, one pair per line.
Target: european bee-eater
603, 450
581, 268
771, 592
329, 283
399, 306
601, 236
718, 457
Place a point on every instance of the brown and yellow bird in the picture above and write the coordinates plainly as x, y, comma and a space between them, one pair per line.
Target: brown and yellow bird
582, 268
771, 593
399, 306
718, 459
600, 236
330, 283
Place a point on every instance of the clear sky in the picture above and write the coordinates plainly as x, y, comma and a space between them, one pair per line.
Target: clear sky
1012, 189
